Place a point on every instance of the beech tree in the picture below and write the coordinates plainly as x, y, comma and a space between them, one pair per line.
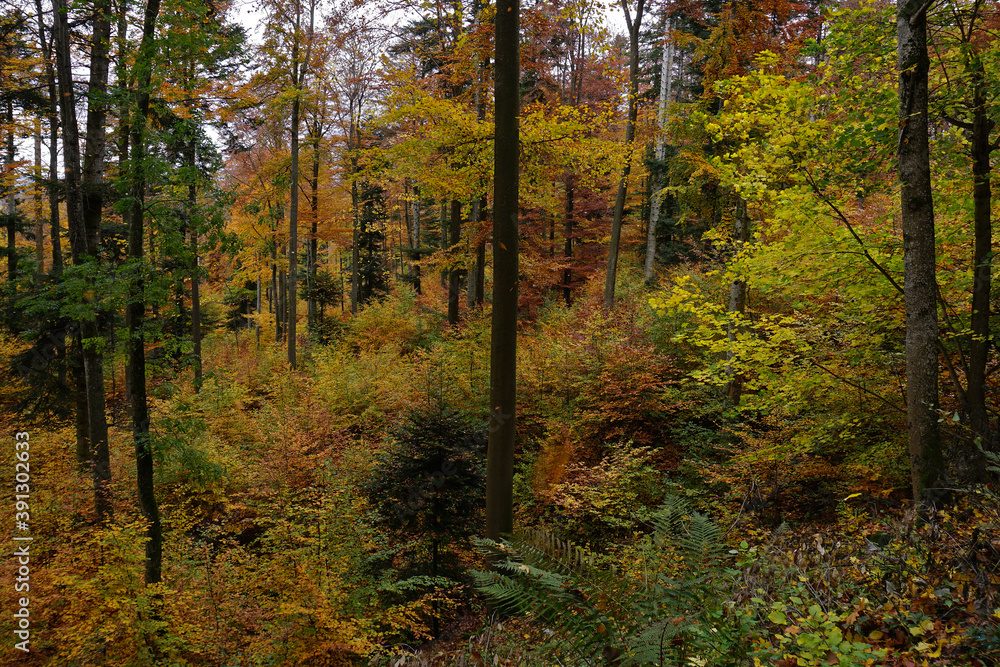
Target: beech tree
920, 281
634, 24
503, 345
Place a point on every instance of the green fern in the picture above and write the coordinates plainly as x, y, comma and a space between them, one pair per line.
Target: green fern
674, 613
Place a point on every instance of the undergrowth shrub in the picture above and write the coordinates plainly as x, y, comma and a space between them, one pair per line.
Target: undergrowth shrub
605, 502
669, 606
427, 489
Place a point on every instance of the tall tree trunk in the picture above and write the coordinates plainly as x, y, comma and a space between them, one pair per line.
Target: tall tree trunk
455, 274
10, 203
39, 217
568, 225
737, 298
472, 276
135, 312
656, 200
355, 233
503, 344
293, 213
982, 257
195, 273
633, 112
83, 241
313, 260
52, 114
920, 283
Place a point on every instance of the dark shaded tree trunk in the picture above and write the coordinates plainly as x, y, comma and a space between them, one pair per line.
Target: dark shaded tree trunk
455, 274
568, 226
737, 297
195, 276
83, 239
135, 311
982, 258
503, 344
633, 114
52, 114
313, 254
10, 202
920, 282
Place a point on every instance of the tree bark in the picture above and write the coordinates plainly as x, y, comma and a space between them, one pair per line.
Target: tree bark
920, 282
11, 199
83, 241
454, 274
568, 226
633, 112
135, 312
656, 200
503, 344
52, 113
737, 298
982, 257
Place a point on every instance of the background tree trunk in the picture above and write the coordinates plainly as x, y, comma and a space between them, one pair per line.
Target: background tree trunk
633, 113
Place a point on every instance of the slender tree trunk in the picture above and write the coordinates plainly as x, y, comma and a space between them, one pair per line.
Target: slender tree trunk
443, 226
39, 224
52, 113
11, 198
135, 312
455, 274
481, 260
195, 280
920, 283
568, 241
656, 200
293, 214
83, 240
472, 275
313, 267
355, 233
503, 344
633, 112
982, 258
737, 299
416, 238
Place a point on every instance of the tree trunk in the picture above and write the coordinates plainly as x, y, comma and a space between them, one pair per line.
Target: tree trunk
195, 280
982, 257
83, 241
920, 284
633, 98
568, 241
313, 260
52, 113
656, 200
737, 299
11, 199
455, 274
39, 224
293, 212
135, 312
503, 344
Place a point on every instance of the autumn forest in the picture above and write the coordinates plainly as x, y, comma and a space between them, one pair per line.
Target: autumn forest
523, 332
